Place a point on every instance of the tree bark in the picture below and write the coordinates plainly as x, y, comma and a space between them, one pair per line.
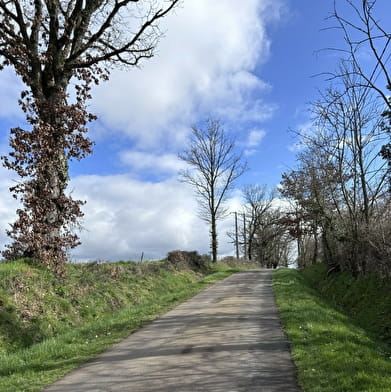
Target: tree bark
54, 166
213, 234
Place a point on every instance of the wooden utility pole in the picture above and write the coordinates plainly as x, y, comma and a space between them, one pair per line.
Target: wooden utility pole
236, 235
244, 236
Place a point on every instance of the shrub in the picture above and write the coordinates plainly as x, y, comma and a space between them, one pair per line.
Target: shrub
181, 259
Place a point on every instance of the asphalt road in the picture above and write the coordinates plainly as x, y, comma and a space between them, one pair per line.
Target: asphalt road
228, 338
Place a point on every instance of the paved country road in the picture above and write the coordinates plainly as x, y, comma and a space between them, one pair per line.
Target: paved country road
227, 338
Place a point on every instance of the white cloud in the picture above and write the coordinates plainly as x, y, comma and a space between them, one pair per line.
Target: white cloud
250, 152
305, 130
204, 66
255, 137
125, 217
8, 206
10, 88
146, 162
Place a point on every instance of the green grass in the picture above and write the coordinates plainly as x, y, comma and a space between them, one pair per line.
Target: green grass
367, 300
331, 352
48, 326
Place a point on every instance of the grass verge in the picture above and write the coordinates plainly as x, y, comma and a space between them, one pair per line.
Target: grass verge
366, 299
331, 352
50, 327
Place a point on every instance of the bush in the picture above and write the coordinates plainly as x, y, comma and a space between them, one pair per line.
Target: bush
181, 259
234, 262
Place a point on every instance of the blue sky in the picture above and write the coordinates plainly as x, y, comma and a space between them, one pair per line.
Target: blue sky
250, 65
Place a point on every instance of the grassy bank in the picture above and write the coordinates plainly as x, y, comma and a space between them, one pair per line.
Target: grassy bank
49, 326
367, 300
331, 352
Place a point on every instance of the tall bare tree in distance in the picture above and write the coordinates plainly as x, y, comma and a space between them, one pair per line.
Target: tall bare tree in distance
258, 201
213, 168
51, 45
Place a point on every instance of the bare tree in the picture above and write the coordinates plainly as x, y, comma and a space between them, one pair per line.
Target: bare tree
214, 166
49, 44
365, 31
264, 236
258, 201
305, 188
341, 180
271, 245
352, 136
339, 188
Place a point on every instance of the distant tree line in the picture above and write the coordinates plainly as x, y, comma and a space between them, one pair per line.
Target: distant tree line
213, 165
262, 235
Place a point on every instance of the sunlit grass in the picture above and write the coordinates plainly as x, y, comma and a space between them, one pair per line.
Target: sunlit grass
331, 353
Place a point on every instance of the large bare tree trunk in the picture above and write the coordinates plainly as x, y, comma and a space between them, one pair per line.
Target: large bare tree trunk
57, 175
54, 166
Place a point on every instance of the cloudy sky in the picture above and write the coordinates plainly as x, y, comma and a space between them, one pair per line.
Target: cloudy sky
251, 65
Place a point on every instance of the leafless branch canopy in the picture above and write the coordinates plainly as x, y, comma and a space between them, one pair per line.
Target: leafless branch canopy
214, 166
365, 33
42, 37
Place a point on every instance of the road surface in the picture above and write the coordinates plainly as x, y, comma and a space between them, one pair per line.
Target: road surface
227, 338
